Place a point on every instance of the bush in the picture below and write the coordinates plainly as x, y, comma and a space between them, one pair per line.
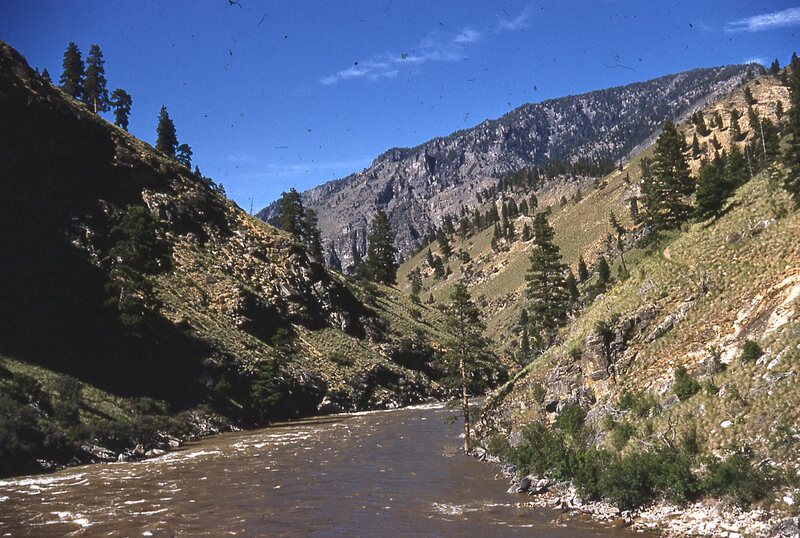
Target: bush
591, 473
685, 386
751, 351
737, 478
621, 434
544, 452
571, 419
641, 403
499, 446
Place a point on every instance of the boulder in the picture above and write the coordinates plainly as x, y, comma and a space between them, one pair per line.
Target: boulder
520, 486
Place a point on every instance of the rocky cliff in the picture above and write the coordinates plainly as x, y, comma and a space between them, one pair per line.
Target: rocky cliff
419, 186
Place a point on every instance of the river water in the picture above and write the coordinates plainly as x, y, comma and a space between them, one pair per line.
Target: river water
390, 473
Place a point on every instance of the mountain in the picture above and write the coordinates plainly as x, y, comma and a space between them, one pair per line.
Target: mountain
671, 393
419, 186
134, 293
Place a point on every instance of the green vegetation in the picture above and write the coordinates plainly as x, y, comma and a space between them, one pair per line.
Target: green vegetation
72, 74
166, 137
94, 93
750, 351
299, 222
684, 385
121, 102
468, 351
791, 153
381, 262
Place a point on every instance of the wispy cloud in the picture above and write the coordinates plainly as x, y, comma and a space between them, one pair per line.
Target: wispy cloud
519, 22
755, 60
436, 47
767, 21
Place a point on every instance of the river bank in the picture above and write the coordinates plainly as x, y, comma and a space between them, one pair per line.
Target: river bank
398, 472
709, 517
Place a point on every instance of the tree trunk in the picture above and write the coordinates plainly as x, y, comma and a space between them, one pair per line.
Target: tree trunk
465, 404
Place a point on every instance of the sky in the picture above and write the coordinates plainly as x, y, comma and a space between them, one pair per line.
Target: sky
277, 94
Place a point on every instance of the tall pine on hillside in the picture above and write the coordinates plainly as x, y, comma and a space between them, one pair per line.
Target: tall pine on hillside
95, 94
72, 74
121, 101
312, 236
667, 183
166, 137
547, 292
381, 265
291, 213
791, 155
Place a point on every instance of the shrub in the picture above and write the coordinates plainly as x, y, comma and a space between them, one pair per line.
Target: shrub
544, 452
591, 473
538, 392
571, 419
673, 476
621, 434
641, 403
736, 477
499, 446
685, 386
341, 359
630, 480
751, 351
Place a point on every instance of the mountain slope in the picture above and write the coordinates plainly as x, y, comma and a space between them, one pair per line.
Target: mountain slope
124, 270
419, 186
581, 225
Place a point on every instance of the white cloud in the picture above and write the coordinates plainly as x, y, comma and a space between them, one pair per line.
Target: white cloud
520, 22
767, 21
436, 47
755, 60
467, 35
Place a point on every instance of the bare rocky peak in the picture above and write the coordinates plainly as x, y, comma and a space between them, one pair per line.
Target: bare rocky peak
419, 186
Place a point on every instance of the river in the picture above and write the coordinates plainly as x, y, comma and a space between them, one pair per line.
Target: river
389, 473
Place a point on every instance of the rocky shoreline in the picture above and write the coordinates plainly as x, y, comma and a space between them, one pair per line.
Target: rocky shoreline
709, 517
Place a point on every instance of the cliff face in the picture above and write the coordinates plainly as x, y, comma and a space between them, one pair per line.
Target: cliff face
418, 186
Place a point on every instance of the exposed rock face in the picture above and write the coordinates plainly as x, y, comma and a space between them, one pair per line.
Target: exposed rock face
419, 186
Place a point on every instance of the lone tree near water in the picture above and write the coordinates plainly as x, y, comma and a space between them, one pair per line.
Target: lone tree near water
468, 347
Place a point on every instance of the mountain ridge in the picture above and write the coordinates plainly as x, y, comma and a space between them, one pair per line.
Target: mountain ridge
418, 186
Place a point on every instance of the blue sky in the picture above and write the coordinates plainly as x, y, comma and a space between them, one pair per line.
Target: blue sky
290, 93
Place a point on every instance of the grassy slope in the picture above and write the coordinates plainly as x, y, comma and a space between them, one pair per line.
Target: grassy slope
581, 228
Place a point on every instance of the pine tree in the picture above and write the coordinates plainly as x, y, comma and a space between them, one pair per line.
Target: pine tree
736, 131
775, 67
695, 147
46, 76
415, 278
713, 188
444, 244
791, 153
184, 155
779, 110
633, 209
583, 271
546, 290
72, 74
467, 349
667, 184
526, 232
95, 94
166, 137
312, 237
290, 213
572, 285
121, 101
603, 272
381, 265
748, 96
533, 204
735, 168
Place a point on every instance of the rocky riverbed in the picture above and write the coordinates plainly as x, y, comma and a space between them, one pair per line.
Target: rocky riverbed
702, 518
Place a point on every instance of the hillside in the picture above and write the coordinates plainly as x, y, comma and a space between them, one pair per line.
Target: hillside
419, 186
133, 290
581, 224
686, 366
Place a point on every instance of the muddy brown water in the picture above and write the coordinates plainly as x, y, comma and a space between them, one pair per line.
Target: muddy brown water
392, 473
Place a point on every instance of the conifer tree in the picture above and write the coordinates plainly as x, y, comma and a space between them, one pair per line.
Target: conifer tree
695, 147
736, 131
713, 188
72, 74
748, 96
603, 272
166, 137
312, 237
526, 232
667, 184
95, 94
121, 102
184, 155
735, 168
633, 209
444, 244
791, 153
381, 265
533, 204
546, 289
46, 76
572, 285
467, 349
290, 213
775, 67
583, 271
